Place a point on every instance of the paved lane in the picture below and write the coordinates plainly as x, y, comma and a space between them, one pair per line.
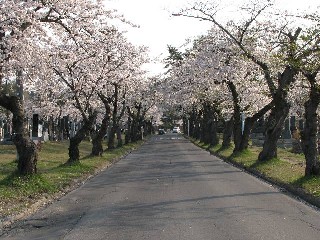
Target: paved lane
169, 190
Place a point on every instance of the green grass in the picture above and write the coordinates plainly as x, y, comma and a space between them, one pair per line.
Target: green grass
201, 144
246, 158
311, 184
287, 169
54, 175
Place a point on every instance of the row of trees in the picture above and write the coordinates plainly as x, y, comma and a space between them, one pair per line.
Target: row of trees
66, 58
264, 64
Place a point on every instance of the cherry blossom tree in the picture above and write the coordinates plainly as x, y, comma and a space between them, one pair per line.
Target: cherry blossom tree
267, 36
216, 68
139, 108
125, 80
223, 64
281, 47
27, 30
95, 70
76, 76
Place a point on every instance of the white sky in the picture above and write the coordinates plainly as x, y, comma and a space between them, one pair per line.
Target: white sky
159, 29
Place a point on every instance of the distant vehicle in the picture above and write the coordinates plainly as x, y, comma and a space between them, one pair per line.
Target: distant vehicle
176, 130
161, 131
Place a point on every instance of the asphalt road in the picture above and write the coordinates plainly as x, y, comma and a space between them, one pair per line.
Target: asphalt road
170, 190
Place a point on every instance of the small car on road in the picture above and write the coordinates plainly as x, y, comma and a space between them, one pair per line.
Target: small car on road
176, 130
161, 131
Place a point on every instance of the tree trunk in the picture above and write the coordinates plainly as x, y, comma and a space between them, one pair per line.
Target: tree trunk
227, 133
197, 125
128, 137
278, 115
27, 154
150, 128
237, 131
244, 142
204, 126
136, 123
237, 124
214, 139
26, 149
119, 137
192, 122
185, 125
133, 131
74, 154
97, 148
310, 132
209, 124
249, 122
273, 130
111, 138
115, 121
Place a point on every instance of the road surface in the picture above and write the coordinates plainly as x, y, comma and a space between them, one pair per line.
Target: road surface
169, 190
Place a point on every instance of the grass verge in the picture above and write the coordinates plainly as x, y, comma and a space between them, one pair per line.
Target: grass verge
54, 177
286, 171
